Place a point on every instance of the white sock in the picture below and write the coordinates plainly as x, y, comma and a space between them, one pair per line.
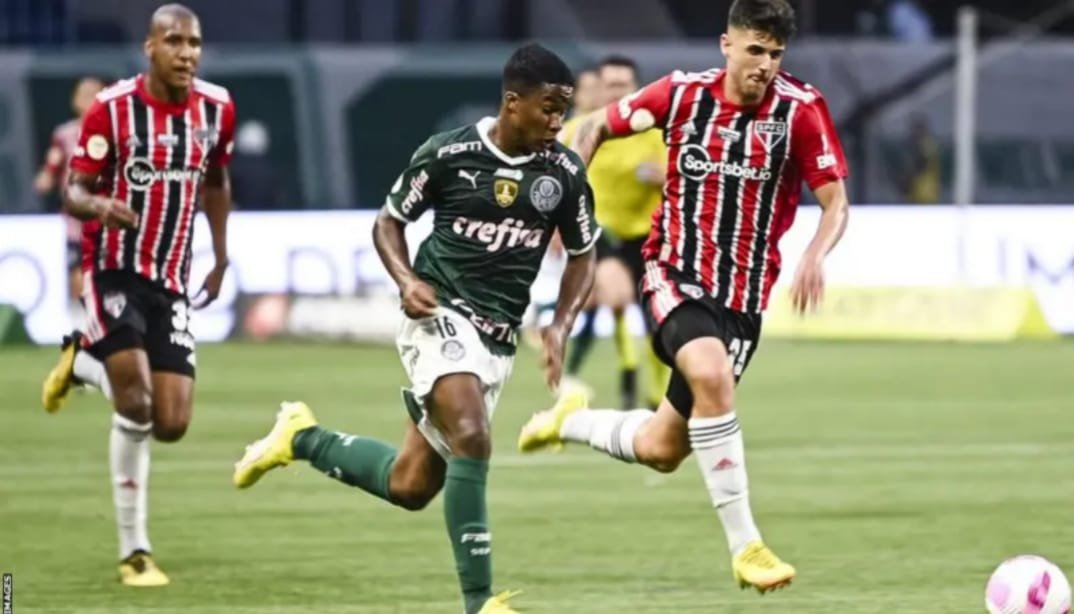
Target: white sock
128, 456
76, 312
90, 370
717, 444
609, 430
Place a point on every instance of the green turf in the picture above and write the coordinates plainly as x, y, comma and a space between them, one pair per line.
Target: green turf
895, 476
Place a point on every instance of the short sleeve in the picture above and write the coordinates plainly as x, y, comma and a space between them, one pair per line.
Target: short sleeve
816, 148
644, 109
410, 195
225, 145
96, 145
577, 225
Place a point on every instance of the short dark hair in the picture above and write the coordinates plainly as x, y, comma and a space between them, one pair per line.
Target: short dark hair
621, 61
773, 17
532, 66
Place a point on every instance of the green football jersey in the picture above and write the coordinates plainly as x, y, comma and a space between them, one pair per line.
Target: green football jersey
493, 216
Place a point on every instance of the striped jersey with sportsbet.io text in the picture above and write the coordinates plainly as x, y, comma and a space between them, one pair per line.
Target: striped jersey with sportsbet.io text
151, 155
493, 216
734, 178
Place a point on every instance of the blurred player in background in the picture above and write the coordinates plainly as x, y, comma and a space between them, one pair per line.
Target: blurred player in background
53, 174
151, 149
498, 190
741, 141
627, 176
587, 92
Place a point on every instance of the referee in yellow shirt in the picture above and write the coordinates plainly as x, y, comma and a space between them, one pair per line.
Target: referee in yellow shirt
627, 177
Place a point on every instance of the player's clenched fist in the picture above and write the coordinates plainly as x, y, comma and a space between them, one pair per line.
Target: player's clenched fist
114, 213
419, 299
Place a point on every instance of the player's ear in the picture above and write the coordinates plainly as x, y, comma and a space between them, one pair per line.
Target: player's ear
147, 48
725, 44
510, 100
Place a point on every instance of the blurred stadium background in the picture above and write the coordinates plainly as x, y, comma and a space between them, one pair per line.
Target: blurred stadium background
904, 441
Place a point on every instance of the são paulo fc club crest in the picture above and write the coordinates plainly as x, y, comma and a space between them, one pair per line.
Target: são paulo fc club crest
545, 193
770, 133
206, 138
453, 350
114, 303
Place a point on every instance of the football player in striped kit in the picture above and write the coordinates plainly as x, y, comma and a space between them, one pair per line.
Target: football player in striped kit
152, 150
740, 142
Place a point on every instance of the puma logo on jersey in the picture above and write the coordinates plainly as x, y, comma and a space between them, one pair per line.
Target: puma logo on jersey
471, 178
505, 235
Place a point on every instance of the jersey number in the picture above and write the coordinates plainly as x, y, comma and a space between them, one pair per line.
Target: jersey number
180, 316
445, 327
739, 351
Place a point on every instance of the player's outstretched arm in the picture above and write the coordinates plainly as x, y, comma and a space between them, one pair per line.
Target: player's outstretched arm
574, 288
808, 287
644, 109
593, 131
389, 237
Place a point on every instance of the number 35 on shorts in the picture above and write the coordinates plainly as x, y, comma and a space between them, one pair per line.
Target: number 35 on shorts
180, 316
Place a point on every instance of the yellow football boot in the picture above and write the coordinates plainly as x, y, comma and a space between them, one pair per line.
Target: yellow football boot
497, 604
757, 566
273, 450
141, 571
61, 378
542, 430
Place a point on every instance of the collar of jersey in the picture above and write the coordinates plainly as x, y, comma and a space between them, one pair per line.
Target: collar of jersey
484, 125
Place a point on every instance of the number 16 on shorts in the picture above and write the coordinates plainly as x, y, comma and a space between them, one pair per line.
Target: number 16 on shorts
444, 327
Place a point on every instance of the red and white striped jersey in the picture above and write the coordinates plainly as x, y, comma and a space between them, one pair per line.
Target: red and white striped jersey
152, 155
734, 176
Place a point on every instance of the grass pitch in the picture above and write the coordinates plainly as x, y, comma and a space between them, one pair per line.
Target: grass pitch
894, 476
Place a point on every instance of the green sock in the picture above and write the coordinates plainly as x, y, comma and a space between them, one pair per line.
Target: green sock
467, 523
357, 461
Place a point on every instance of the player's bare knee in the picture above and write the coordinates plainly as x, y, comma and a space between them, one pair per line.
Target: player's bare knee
705, 366
134, 403
169, 431
471, 438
